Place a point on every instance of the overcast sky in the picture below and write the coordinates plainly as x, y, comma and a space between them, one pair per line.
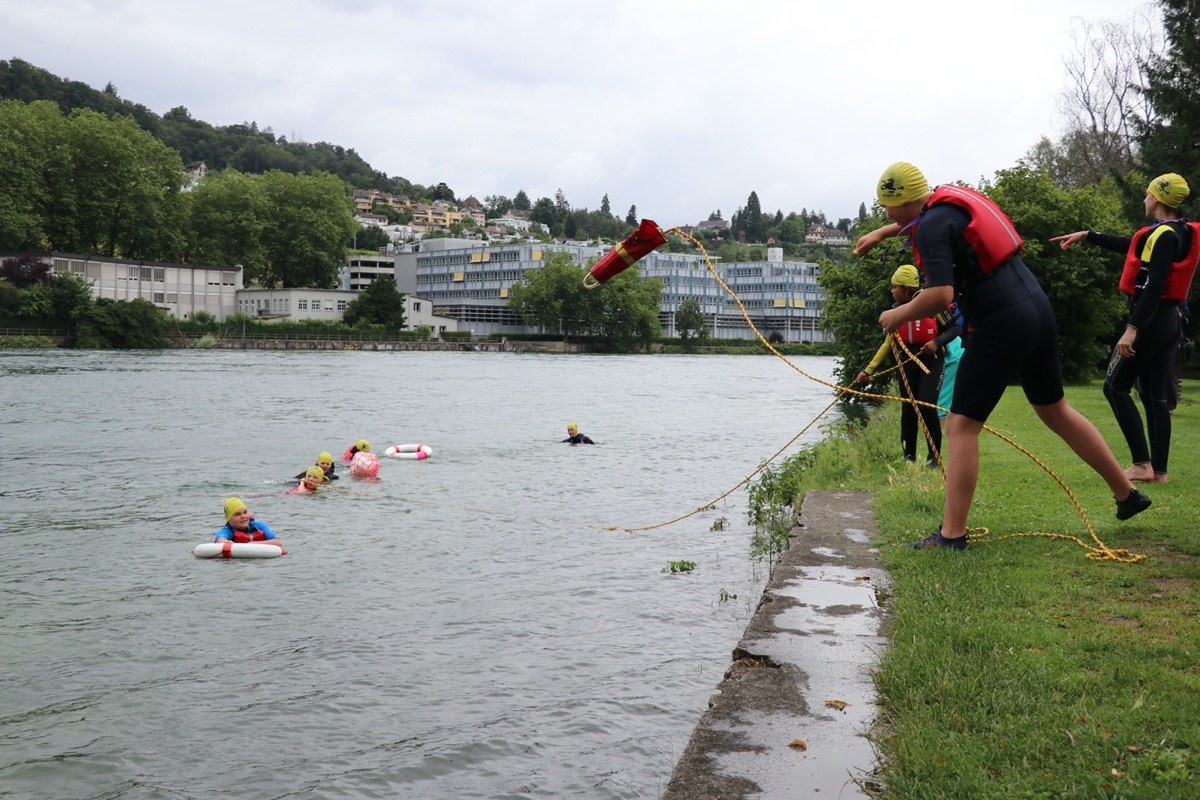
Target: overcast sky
679, 108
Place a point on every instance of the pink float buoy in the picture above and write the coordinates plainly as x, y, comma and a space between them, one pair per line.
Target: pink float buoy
364, 465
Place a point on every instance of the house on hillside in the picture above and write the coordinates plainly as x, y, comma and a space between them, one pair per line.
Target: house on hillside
823, 234
717, 226
195, 173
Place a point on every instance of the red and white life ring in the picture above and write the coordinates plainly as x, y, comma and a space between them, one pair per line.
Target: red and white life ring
417, 451
239, 550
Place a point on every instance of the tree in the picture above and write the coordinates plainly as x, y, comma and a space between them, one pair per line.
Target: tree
521, 201
496, 205
378, 304
632, 217
126, 189
1081, 283
1171, 141
309, 220
628, 318
25, 270
552, 297
689, 320
750, 220
1103, 102
32, 152
10, 299
369, 237
562, 208
87, 184
605, 207
791, 230
134, 324
543, 211
227, 220
857, 290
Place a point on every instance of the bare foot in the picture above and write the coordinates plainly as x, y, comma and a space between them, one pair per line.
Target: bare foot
1159, 477
1141, 472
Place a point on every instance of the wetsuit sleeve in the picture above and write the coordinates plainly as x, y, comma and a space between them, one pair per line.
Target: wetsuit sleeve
941, 226
1118, 244
884, 350
948, 334
587, 440
223, 535
1157, 254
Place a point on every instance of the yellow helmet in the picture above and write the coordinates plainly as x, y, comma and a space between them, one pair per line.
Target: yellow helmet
906, 275
1170, 189
901, 183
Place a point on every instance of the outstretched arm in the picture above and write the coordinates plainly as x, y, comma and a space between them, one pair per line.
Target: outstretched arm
869, 240
1069, 240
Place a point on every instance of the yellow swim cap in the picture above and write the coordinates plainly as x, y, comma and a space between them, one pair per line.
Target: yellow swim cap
906, 275
571, 426
363, 445
315, 472
325, 458
901, 183
232, 506
1170, 189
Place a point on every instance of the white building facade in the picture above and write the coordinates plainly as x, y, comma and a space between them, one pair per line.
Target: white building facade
470, 282
179, 289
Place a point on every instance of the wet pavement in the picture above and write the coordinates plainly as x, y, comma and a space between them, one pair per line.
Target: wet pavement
789, 718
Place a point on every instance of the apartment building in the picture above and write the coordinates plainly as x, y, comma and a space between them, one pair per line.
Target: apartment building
470, 281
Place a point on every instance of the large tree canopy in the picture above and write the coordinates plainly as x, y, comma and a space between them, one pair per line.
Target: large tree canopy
622, 314
87, 184
285, 230
1171, 143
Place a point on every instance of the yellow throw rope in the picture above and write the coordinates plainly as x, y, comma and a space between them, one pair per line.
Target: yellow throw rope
1097, 552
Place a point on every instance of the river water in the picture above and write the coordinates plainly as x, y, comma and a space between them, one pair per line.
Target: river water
460, 627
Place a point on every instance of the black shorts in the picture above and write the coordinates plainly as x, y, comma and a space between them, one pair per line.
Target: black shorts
1013, 334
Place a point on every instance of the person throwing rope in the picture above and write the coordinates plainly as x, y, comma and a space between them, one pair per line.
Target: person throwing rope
968, 248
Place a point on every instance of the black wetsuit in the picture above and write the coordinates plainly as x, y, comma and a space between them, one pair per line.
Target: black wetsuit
578, 438
1158, 327
1010, 322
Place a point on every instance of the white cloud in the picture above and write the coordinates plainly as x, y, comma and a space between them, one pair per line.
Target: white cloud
679, 108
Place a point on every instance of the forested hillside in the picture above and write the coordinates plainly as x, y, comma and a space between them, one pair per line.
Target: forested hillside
244, 147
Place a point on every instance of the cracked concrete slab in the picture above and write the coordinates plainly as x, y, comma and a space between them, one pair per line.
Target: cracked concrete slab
790, 716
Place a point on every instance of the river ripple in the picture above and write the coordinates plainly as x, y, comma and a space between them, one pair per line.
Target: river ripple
466, 626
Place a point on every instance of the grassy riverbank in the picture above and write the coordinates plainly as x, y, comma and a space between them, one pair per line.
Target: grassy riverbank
1022, 668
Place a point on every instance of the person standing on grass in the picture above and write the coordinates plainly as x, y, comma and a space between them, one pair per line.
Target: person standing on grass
921, 379
969, 250
1160, 260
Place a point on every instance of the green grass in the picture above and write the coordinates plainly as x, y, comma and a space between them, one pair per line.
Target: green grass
1022, 668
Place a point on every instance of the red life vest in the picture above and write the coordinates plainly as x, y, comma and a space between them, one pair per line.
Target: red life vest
918, 332
242, 537
1180, 279
990, 233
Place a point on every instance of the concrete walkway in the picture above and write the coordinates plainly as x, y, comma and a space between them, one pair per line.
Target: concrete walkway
810, 647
